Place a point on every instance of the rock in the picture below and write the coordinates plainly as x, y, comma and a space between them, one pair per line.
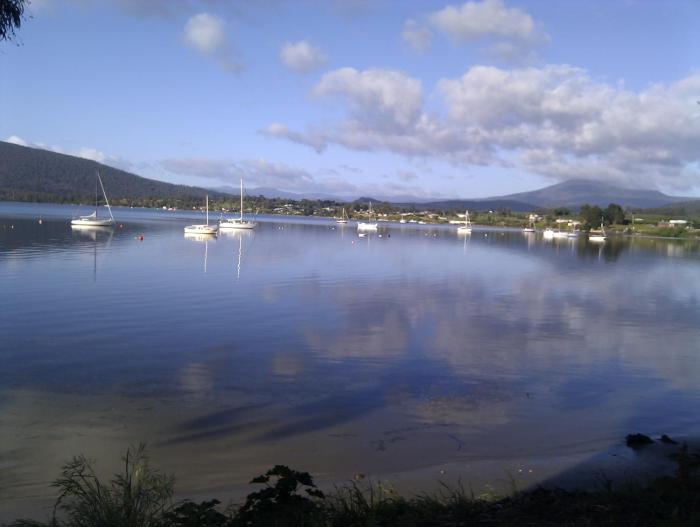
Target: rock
638, 440
668, 440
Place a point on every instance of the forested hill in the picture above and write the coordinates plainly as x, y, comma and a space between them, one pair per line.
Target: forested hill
32, 174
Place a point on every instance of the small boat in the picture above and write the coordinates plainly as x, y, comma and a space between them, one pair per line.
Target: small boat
343, 217
237, 223
574, 232
548, 233
598, 236
91, 220
560, 234
369, 225
202, 228
530, 228
467, 227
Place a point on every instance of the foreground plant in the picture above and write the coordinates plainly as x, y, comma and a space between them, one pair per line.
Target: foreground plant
137, 497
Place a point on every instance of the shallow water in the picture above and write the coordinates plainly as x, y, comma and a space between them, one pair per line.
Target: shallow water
303, 344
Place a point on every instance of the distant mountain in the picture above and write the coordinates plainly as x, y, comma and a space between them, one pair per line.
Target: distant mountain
33, 174
269, 192
575, 193
479, 205
680, 209
276, 193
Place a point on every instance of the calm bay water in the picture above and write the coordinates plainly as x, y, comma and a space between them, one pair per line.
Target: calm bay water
303, 344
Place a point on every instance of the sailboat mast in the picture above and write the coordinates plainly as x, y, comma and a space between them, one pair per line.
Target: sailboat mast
105, 195
207, 209
241, 198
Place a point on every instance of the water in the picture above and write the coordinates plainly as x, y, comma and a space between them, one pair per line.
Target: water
303, 344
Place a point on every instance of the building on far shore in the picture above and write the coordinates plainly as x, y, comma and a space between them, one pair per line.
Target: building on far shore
673, 223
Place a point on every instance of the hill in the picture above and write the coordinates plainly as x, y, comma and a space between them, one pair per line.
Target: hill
32, 174
479, 205
683, 209
575, 193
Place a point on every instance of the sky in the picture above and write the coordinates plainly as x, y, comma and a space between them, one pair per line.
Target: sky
364, 98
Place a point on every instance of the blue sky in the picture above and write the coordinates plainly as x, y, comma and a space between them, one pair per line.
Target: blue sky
355, 98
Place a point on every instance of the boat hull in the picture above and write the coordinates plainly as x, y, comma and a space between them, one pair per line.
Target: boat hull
237, 225
366, 226
201, 229
91, 223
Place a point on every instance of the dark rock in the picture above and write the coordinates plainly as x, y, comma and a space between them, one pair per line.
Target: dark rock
668, 440
638, 440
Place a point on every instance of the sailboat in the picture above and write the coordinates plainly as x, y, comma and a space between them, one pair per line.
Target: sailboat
368, 225
530, 226
91, 220
202, 228
237, 223
598, 236
343, 217
467, 227
574, 232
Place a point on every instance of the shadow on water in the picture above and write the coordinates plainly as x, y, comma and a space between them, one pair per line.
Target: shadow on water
304, 333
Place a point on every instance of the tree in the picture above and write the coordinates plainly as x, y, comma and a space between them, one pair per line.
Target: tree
11, 16
614, 214
591, 215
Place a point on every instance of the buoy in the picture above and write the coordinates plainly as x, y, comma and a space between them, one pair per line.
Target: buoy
41, 221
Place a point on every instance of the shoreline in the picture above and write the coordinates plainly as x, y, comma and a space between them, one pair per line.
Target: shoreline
331, 220
616, 468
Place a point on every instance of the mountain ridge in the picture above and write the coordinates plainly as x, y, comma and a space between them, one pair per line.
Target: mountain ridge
34, 174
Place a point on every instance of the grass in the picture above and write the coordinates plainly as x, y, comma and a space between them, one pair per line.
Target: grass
142, 497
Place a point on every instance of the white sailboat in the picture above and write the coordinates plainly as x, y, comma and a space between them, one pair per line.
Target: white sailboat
91, 220
237, 223
343, 217
530, 227
574, 232
202, 228
368, 225
467, 227
598, 236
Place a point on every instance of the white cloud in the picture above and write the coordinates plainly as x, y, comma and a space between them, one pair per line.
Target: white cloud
308, 138
556, 121
256, 172
302, 57
93, 154
266, 173
85, 152
488, 18
417, 36
510, 35
16, 140
206, 33
386, 98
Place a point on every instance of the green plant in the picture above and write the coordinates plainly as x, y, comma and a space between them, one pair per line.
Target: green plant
189, 514
282, 504
137, 497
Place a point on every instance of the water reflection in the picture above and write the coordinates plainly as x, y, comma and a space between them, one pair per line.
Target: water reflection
401, 352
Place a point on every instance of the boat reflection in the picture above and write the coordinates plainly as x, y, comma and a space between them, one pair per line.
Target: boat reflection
91, 231
206, 238
249, 235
